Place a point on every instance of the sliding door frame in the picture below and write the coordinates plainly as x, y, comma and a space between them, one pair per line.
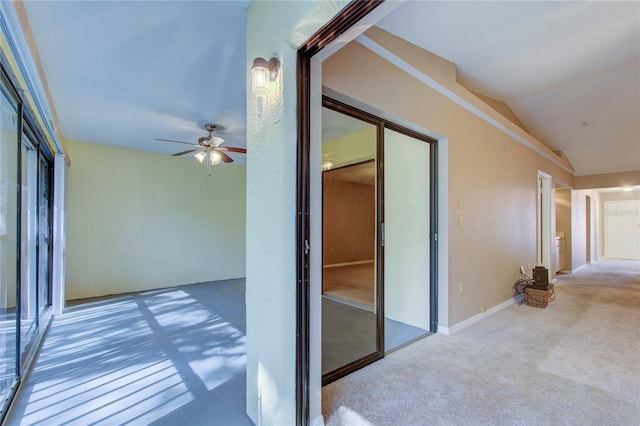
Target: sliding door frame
27, 125
381, 125
358, 114
327, 34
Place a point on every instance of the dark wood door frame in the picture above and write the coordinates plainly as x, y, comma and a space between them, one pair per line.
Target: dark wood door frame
341, 23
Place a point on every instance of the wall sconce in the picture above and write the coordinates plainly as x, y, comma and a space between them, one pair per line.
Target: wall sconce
263, 74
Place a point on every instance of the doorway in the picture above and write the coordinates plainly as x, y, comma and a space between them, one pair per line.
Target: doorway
377, 248
544, 255
562, 245
589, 224
622, 229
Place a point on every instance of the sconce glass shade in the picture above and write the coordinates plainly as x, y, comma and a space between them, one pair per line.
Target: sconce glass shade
215, 158
200, 156
260, 71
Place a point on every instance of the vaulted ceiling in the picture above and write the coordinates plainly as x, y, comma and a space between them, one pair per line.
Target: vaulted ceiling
569, 70
125, 73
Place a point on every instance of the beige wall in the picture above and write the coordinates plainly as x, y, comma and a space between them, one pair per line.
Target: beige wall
609, 180
349, 216
578, 228
492, 175
139, 221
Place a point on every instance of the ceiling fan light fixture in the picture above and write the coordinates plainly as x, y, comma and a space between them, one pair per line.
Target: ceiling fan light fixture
216, 141
200, 156
215, 158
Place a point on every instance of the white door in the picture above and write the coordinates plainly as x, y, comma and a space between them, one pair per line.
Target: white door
622, 229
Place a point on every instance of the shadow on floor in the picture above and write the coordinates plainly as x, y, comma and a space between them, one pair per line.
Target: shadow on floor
172, 356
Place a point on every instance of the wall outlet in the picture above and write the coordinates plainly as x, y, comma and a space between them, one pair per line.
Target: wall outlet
461, 287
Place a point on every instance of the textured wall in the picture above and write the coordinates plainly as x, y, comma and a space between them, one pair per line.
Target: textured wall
274, 27
139, 221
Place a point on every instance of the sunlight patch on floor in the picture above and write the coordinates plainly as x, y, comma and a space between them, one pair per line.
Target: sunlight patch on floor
124, 394
133, 360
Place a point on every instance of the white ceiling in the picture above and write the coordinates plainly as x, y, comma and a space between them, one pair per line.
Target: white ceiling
556, 64
124, 73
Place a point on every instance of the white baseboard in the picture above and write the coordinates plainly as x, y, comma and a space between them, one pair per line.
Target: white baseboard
337, 265
317, 421
447, 331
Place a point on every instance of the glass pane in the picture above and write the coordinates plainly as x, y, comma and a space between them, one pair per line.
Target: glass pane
406, 247
8, 242
28, 251
349, 322
44, 251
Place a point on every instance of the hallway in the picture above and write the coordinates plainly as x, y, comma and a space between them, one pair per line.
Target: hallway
170, 356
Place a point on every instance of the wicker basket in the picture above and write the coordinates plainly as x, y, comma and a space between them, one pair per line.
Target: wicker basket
539, 298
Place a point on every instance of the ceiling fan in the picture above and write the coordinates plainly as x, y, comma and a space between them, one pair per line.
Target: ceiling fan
208, 148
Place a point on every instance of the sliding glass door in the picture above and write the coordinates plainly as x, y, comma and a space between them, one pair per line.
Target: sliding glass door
9, 228
379, 245
44, 235
28, 242
25, 229
351, 335
407, 196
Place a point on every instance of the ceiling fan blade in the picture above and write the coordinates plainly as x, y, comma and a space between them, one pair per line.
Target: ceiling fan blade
233, 149
225, 157
171, 140
185, 152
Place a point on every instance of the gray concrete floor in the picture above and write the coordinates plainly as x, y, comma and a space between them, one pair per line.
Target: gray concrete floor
165, 357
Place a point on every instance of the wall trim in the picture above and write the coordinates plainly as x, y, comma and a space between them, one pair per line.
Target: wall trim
447, 331
428, 81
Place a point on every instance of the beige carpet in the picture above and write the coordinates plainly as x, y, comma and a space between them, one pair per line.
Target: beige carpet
352, 282
576, 362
